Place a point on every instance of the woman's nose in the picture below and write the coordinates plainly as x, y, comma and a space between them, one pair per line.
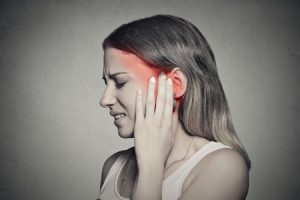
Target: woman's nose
107, 99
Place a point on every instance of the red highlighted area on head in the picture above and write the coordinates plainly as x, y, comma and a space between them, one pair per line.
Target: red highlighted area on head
141, 70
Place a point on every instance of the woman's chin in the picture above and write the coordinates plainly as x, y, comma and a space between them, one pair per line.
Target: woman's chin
124, 133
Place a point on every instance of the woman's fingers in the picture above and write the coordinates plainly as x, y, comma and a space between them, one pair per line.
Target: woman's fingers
139, 111
161, 97
161, 112
150, 98
169, 101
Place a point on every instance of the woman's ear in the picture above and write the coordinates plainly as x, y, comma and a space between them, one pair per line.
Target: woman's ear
179, 82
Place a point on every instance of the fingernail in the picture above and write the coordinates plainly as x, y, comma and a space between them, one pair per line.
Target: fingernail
169, 81
152, 79
162, 75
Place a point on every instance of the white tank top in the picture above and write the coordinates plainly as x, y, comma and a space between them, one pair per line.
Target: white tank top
172, 185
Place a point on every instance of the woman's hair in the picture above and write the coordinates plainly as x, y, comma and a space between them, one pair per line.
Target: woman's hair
166, 41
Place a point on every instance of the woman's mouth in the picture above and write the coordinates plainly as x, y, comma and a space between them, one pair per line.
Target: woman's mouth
119, 118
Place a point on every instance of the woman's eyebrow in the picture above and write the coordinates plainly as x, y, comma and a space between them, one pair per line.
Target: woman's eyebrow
111, 76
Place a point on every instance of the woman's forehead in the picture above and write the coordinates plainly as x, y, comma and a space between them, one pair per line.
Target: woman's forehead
115, 56
119, 61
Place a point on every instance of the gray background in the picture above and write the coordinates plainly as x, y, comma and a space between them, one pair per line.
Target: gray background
55, 136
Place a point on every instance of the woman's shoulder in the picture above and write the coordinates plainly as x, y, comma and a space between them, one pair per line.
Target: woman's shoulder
222, 156
224, 167
225, 159
111, 160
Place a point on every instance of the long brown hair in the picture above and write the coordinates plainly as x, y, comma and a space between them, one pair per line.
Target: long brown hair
166, 41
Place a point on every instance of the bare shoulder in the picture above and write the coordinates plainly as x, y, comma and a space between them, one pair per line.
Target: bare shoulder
109, 162
222, 174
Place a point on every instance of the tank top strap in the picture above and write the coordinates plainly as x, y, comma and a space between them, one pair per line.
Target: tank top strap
172, 185
195, 159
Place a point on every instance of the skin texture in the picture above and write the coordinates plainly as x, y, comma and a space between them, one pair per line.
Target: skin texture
135, 75
220, 175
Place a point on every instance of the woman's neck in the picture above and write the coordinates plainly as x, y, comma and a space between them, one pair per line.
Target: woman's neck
184, 144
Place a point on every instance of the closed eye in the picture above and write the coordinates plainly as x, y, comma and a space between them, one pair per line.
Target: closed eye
120, 85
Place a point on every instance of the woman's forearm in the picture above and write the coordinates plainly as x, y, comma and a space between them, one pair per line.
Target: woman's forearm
149, 184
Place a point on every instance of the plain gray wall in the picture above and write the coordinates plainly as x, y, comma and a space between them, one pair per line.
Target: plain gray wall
55, 136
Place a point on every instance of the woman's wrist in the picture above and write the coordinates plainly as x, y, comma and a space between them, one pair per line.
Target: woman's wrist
150, 164
152, 170
149, 183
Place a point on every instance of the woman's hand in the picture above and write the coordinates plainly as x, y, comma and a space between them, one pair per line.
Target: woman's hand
153, 139
153, 133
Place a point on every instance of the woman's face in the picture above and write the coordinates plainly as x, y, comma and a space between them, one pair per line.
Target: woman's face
124, 74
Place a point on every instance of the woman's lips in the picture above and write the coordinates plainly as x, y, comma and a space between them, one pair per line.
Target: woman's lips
118, 121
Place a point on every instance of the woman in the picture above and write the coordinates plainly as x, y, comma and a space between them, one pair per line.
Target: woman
163, 89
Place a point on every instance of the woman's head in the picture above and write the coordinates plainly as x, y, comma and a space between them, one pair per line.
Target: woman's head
124, 73
167, 42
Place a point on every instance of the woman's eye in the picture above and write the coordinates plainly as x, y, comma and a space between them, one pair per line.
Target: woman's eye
120, 85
